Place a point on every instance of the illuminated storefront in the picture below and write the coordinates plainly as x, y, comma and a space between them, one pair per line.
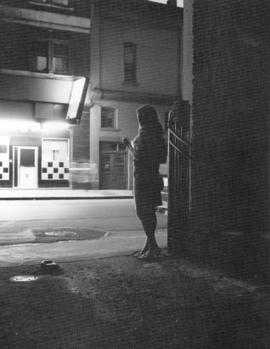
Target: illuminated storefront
36, 135
32, 156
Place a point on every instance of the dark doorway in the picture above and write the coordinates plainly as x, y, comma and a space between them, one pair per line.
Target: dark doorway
113, 166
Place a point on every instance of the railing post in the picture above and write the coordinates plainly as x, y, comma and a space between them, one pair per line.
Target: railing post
178, 181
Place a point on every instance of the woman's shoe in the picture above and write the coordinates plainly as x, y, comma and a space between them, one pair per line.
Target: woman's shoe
150, 254
144, 256
138, 254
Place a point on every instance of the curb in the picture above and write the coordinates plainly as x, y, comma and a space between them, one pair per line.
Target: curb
66, 198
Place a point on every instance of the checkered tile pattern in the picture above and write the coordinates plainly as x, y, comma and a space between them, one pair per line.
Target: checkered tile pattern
54, 171
4, 170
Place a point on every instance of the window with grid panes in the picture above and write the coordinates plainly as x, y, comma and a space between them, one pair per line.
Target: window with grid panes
108, 117
60, 58
130, 62
50, 56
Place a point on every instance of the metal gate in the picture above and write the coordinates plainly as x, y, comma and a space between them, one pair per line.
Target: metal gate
179, 177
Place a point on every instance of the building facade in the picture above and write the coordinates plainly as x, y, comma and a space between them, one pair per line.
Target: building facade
40, 65
135, 60
129, 53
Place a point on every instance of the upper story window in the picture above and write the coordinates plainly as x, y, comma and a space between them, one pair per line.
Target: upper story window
60, 58
130, 62
50, 56
108, 117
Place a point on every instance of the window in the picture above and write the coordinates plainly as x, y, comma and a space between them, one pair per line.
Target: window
27, 158
55, 150
4, 146
108, 117
130, 62
60, 58
3, 149
111, 146
50, 56
40, 56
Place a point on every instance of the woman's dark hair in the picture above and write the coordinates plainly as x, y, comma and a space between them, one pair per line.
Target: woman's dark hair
148, 118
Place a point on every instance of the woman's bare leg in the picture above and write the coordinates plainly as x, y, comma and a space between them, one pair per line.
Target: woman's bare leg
149, 223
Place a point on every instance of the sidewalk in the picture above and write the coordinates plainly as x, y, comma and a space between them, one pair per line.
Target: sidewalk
122, 302
71, 194
108, 244
102, 297
47, 194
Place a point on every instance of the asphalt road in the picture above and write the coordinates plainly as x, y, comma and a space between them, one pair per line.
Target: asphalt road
86, 217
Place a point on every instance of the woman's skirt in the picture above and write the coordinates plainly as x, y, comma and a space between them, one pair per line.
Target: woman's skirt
147, 193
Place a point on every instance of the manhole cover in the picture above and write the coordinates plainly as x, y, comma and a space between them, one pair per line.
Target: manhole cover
24, 278
60, 233
66, 234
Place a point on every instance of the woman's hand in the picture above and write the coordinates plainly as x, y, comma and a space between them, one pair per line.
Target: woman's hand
126, 142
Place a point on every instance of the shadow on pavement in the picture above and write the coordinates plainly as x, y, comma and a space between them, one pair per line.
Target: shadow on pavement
121, 302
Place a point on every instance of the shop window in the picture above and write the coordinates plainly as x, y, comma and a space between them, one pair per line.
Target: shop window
108, 117
50, 56
3, 149
4, 146
55, 150
130, 62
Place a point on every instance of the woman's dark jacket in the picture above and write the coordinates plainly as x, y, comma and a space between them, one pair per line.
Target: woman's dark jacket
149, 154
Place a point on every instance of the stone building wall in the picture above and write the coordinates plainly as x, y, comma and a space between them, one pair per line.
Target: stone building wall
230, 115
230, 133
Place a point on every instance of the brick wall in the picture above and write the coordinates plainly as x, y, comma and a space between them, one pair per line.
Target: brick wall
230, 110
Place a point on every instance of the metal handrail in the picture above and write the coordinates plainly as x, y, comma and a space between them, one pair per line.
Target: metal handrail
175, 147
180, 139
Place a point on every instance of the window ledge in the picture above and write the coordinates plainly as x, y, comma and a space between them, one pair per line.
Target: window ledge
44, 5
36, 74
130, 83
111, 129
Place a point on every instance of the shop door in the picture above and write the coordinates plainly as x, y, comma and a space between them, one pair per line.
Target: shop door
26, 167
113, 170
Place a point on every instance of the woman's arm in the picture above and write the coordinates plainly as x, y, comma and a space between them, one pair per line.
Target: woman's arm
129, 145
140, 147
143, 147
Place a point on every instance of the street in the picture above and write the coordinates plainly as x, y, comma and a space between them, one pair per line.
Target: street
33, 230
62, 209
104, 215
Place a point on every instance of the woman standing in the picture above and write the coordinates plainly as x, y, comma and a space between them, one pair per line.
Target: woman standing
149, 151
